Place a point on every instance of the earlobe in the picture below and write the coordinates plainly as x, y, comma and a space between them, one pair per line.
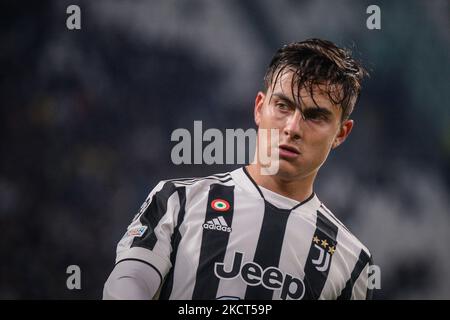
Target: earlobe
335, 144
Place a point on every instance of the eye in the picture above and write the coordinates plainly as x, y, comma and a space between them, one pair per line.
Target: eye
282, 106
315, 116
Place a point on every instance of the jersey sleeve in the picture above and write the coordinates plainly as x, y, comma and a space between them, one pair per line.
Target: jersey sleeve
358, 285
361, 288
131, 280
148, 237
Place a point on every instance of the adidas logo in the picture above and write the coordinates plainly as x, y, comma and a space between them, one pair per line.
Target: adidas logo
218, 224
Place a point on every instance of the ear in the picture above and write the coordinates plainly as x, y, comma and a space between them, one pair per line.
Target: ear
344, 131
259, 100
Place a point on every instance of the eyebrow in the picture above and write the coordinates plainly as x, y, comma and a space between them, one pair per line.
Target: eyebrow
319, 109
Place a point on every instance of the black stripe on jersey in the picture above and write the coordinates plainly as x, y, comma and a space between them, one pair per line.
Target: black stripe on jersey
334, 217
152, 215
346, 293
316, 273
166, 289
221, 175
187, 183
369, 292
207, 178
214, 244
268, 249
217, 175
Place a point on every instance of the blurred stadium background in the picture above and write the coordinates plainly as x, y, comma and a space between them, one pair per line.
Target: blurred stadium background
86, 118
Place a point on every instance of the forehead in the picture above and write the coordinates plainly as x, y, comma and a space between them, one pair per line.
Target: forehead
287, 85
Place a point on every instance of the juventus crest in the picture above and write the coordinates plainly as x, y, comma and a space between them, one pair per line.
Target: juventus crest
325, 251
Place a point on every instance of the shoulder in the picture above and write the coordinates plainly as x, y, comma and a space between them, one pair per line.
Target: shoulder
172, 191
194, 183
345, 234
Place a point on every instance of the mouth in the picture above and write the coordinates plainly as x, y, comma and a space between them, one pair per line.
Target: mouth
288, 151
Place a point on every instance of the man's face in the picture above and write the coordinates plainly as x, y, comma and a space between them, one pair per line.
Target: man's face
307, 132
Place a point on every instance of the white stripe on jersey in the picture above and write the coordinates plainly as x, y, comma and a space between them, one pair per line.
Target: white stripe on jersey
360, 288
247, 215
301, 225
166, 226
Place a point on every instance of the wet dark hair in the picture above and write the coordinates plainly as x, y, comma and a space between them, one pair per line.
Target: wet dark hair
315, 62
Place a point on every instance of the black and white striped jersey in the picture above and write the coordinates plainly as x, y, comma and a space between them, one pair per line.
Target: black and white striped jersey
224, 237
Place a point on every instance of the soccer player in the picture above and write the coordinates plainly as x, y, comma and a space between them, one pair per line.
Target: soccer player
246, 234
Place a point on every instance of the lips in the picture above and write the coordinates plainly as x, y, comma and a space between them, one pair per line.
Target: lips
289, 148
288, 152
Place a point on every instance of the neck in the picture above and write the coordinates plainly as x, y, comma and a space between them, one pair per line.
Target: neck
295, 188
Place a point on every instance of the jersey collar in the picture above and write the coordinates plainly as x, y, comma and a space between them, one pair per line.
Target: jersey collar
245, 181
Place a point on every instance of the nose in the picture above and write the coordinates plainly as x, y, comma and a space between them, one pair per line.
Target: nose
292, 128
